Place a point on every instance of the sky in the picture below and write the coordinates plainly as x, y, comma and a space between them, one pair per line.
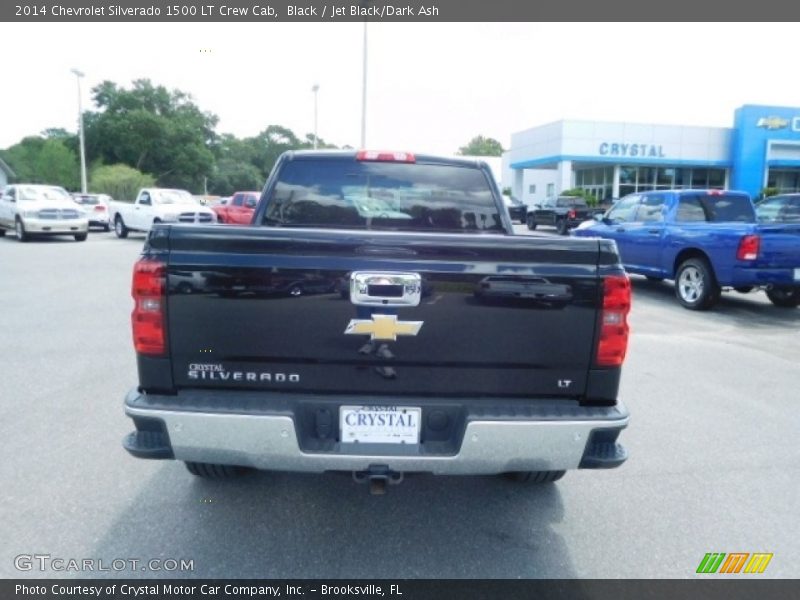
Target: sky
431, 87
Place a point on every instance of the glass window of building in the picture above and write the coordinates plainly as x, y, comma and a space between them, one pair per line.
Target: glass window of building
716, 179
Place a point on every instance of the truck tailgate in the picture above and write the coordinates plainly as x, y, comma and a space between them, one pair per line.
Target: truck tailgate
780, 245
268, 308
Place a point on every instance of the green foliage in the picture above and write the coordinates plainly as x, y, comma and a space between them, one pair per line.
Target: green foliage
232, 175
506, 191
767, 192
158, 132
121, 182
39, 160
481, 146
581, 193
154, 130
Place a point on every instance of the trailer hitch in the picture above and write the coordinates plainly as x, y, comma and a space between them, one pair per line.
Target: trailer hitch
378, 477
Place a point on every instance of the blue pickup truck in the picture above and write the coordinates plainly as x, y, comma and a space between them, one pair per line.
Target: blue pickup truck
704, 240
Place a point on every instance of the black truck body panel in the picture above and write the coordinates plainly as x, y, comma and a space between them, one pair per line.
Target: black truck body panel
228, 306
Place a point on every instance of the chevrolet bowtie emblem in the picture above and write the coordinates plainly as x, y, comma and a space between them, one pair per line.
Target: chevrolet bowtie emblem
772, 123
383, 327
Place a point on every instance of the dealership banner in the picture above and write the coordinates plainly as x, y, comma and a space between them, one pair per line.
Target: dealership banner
244, 11
398, 589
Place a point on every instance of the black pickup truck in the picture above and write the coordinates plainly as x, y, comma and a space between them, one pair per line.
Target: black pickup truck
460, 348
563, 213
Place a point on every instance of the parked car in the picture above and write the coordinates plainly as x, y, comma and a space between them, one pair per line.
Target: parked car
239, 209
562, 212
704, 240
779, 209
158, 205
516, 210
96, 207
30, 210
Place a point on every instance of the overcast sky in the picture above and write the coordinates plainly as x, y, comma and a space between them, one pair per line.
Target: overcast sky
431, 87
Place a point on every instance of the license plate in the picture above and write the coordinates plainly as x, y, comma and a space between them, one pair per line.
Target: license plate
797, 274
379, 424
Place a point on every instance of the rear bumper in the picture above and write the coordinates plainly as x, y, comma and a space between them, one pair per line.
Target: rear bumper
742, 276
271, 432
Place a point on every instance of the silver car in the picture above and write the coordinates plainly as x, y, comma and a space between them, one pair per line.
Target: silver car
32, 209
96, 208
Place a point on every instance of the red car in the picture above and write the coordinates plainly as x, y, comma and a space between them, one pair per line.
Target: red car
239, 209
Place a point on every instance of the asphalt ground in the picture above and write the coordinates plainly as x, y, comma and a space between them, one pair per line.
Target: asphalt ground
714, 458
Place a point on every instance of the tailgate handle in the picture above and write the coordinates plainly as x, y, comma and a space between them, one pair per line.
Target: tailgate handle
372, 288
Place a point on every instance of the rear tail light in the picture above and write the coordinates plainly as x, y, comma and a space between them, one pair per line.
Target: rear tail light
147, 318
99, 208
571, 214
749, 246
385, 156
613, 341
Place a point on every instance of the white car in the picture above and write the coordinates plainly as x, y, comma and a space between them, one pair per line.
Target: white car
158, 205
96, 207
32, 209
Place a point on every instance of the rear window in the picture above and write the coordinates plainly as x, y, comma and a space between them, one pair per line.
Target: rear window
88, 200
382, 195
715, 208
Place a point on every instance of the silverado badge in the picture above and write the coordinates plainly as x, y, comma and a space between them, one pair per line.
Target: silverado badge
382, 327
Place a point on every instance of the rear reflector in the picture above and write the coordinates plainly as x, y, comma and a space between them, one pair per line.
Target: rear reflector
749, 246
147, 318
613, 341
385, 156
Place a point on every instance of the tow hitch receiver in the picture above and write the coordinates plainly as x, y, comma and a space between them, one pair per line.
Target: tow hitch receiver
378, 476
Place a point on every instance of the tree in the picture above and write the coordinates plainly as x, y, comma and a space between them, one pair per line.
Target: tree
39, 160
481, 146
121, 182
152, 129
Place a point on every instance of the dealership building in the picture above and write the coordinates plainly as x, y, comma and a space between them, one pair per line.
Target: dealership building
610, 160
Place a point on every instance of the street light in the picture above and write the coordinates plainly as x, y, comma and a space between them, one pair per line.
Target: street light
78, 76
364, 88
315, 89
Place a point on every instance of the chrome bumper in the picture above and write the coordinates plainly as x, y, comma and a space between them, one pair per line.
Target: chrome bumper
54, 226
270, 442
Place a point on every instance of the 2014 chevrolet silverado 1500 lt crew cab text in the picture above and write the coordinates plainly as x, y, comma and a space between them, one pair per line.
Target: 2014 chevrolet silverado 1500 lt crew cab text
510, 363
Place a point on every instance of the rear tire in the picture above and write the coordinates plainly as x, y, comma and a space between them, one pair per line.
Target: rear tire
119, 228
696, 287
561, 227
531, 222
535, 476
212, 471
784, 297
19, 228
80, 237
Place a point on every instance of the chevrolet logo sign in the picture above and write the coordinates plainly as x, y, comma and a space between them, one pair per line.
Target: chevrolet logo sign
383, 327
772, 123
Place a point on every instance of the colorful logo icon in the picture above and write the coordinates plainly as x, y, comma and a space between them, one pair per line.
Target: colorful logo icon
736, 562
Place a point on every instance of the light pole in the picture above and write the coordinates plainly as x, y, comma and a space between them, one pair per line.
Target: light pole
364, 89
78, 76
315, 89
